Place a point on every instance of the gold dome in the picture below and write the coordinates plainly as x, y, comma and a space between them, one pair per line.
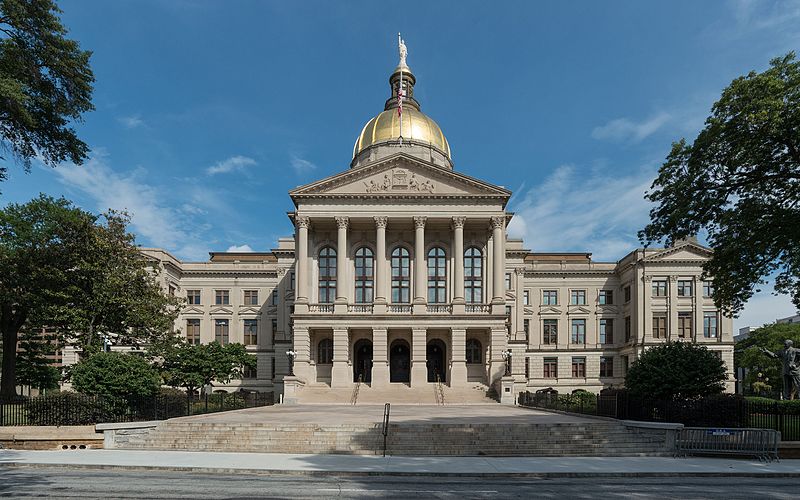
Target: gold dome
417, 127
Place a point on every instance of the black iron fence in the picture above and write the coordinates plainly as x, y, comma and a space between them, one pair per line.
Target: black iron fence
725, 410
70, 408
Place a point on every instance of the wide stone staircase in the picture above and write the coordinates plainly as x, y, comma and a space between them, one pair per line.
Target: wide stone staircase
592, 438
425, 394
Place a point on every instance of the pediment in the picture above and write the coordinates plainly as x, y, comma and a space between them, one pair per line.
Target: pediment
579, 310
193, 310
221, 310
400, 176
249, 310
687, 251
549, 310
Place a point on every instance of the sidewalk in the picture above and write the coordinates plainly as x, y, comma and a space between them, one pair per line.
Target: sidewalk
261, 463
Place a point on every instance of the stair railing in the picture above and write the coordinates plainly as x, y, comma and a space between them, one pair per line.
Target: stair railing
386, 409
354, 397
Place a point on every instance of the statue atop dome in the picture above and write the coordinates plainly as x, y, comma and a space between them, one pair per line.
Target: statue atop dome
401, 47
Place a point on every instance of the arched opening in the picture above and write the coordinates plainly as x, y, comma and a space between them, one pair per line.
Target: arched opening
434, 360
362, 357
400, 362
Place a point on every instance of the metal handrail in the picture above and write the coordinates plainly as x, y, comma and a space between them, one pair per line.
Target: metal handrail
354, 397
386, 409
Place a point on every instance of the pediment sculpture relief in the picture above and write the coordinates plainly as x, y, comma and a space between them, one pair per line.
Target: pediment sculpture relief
398, 179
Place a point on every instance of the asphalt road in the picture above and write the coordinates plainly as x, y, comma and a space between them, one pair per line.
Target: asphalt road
44, 482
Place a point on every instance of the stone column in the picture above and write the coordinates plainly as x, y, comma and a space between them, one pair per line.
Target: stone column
458, 259
301, 258
302, 346
519, 317
498, 264
672, 314
341, 376
420, 268
458, 357
419, 372
497, 366
380, 259
341, 260
380, 357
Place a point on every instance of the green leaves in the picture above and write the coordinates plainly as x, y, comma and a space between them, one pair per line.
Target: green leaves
115, 375
740, 181
193, 366
676, 370
764, 376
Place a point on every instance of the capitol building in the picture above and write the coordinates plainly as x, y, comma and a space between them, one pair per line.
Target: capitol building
400, 280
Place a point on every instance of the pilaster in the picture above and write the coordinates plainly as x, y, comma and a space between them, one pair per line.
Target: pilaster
419, 370
342, 279
499, 260
380, 357
341, 376
458, 357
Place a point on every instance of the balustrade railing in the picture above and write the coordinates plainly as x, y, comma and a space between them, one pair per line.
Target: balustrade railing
478, 308
399, 308
439, 309
320, 308
360, 308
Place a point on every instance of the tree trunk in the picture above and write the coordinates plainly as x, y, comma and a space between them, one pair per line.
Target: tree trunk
10, 323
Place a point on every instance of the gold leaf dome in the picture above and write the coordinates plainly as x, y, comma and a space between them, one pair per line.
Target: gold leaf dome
417, 128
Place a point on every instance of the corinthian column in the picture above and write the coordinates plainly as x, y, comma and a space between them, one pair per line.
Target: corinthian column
419, 261
458, 259
301, 258
341, 260
380, 259
498, 272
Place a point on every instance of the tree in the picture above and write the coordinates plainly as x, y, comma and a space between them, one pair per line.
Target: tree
34, 368
763, 372
740, 181
193, 366
115, 375
676, 370
45, 84
79, 274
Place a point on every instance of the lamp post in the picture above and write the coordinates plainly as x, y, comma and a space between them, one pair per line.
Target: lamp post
507, 357
291, 355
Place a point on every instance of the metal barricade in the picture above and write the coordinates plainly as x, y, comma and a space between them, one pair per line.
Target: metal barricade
761, 443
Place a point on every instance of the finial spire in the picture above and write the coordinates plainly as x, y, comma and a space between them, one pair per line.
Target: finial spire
401, 46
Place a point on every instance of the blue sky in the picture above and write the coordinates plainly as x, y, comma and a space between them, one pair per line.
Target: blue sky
209, 112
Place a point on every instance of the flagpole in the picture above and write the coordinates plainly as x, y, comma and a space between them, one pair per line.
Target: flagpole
400, 92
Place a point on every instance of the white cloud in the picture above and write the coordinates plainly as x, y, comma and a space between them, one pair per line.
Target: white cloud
239, 248
625, 129
232, 164
301, 166
159, 224
764, 307
132, 121
574, 211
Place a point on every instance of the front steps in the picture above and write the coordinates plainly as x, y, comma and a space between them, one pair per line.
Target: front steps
426, 394
598, 438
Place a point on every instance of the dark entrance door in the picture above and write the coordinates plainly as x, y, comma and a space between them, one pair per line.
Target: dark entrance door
399, 362
362, 366
434, 360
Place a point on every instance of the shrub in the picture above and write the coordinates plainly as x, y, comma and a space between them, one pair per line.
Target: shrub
115, 375
69, 408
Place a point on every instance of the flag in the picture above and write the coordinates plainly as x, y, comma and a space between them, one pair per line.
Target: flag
400, 97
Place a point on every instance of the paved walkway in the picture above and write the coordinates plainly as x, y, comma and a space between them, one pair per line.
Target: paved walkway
373, 465
369, 414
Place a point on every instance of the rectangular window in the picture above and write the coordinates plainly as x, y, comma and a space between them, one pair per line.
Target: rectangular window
606, 297
274, 326
251, 297
508, 281
579, 367
708, 288
249, 372
550, 368
627, 328
221, 331
606, 367
251, 332
526, 325
527, 367
577, 297
272, 367
291, 280
222, 297
578, 331
685, 325
606, 331
526, 298
659, 288
550, 332
627, 293
659, 327
710, 325
193, 331
550, 297
625, 364
193, 297
171, 289
273, 297
684, 288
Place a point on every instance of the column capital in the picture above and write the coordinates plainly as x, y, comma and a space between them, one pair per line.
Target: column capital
647, 278
302, 221
281, 270
519, 270
458, 222
497, 222
381, 221
419, 221
342, 222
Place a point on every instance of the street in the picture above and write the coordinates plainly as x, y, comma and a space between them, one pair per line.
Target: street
52, 482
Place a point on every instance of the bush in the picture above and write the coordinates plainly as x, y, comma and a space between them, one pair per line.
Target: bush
69, 408
115, 375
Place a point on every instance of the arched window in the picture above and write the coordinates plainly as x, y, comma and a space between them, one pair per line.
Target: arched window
401, 275
473, 276
325, 352
327, 275
437, 276
474, 351
364, 275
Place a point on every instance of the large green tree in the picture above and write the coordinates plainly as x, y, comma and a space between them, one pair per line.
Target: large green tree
676, 370
115, 375
763, 371
193, 366
45, 85
35, 364
740, 181
79, 274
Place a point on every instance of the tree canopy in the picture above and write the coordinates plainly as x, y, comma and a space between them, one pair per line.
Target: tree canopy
193, 366
45, 85
740, 181
764, 373
676, 370
115, 375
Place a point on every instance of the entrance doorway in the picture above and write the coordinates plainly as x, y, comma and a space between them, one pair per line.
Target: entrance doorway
400, 362
434, 360
362, 361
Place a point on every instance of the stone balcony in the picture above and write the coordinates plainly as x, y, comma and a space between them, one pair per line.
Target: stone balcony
447, 309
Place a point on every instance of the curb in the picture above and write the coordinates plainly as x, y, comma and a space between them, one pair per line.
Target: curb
328, 473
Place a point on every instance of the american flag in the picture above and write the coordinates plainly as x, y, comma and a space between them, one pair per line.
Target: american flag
400, 96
